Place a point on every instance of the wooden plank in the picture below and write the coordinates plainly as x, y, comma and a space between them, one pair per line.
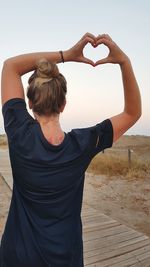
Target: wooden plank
143, 263
96, 217
92, 213
108, 262
137, 259
128, 245
104, 232
126, 263
108, 259
105, 242
89, 219
97, 225
143, 256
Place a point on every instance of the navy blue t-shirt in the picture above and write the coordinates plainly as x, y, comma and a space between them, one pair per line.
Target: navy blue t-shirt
43, 227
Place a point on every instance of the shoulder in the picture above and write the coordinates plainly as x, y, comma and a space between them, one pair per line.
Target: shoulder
96, 138
13, 103
15, 115
103, 127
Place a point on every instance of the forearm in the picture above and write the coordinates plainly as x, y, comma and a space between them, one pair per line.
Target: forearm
22, 64
27, 62
132, 96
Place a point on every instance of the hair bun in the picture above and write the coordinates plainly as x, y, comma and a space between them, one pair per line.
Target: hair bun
46, 69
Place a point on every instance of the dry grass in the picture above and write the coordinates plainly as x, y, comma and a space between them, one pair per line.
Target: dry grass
115, 162
113, 165
3, 140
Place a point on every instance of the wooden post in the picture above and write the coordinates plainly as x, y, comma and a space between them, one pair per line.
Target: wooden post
129, 157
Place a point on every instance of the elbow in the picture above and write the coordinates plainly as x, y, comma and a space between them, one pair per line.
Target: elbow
135, 112
139, 110
139, 113
133, 117
7, 64
137, 116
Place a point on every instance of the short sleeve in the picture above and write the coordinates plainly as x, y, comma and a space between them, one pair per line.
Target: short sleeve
102, 136
93, 140
15, 114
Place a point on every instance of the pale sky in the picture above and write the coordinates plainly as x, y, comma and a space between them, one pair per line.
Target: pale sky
94, 94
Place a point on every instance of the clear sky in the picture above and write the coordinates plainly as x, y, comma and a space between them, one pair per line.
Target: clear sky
94, 94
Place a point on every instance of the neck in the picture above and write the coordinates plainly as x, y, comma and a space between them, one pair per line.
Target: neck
47, 120
51, 128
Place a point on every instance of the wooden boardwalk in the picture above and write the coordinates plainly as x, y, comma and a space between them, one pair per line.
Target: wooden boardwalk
107, 243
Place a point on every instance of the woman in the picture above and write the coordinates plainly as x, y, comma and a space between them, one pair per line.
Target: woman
44, 226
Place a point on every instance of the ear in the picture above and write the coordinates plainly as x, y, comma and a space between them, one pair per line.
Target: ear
30, 104
63, 106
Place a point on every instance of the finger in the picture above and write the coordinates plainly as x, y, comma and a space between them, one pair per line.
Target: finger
87, 40
104, 41
104, 36
90, 35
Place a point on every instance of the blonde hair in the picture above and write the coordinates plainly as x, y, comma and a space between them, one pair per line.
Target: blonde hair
47, 89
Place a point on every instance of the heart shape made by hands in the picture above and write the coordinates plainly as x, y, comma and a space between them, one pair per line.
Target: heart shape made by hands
95, 53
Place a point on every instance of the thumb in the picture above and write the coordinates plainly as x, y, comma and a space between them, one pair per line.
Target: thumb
88, 61
102, 61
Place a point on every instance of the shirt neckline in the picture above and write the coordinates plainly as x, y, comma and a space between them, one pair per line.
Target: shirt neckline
45, 141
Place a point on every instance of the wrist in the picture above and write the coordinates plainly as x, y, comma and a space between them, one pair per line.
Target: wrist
66, 55
62, 56
124, 62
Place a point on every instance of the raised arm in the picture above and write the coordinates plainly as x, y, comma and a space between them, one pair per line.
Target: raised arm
132, 99
15, 67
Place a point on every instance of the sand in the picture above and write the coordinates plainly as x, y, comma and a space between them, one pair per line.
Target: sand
127, 201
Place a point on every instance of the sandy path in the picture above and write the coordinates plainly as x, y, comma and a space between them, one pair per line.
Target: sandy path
127, 201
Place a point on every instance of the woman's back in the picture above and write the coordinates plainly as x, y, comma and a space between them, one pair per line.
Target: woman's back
48, 188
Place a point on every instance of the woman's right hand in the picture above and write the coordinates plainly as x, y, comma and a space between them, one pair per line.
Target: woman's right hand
76, 52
